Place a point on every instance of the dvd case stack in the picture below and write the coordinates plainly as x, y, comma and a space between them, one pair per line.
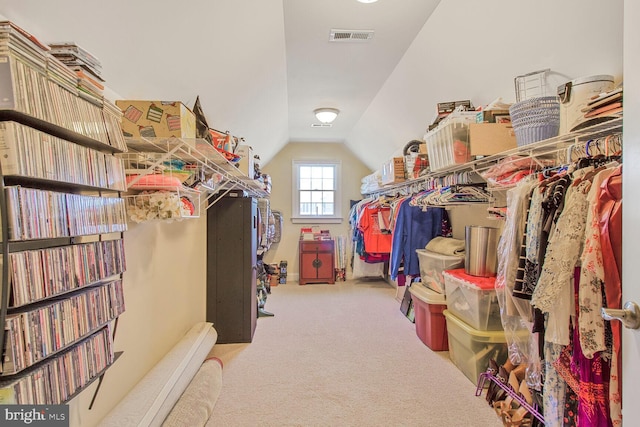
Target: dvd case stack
41, 214
87, 68
57, 380
36, 334
61, 293
81, 61
113, 121
23, 79
43, 273
39, 85
25, 151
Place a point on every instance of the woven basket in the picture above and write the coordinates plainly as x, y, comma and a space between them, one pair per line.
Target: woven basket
535, 119
541, 102
528, 134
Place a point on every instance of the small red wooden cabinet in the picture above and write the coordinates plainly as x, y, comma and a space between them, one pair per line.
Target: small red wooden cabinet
316, 262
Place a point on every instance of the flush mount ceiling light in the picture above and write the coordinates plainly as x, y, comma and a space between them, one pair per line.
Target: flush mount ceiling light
367, 1
326, 115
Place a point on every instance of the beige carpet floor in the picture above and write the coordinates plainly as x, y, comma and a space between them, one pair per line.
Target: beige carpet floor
342, 355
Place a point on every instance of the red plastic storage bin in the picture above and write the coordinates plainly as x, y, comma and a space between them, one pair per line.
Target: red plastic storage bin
431, 325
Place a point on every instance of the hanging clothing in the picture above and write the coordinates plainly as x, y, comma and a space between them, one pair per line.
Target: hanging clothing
413, 229
532, 242
592, 276
554, 387
553, 293
373, 223
610, 221
509, 247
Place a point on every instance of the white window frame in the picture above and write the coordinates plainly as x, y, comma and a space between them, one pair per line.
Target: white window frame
296, 217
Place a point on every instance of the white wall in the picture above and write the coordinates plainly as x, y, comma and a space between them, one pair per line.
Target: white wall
280, 169
471, 49
161, 50
164, 290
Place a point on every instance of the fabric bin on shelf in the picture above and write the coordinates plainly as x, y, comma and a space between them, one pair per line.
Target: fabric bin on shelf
431, 326
473, 299
470, 349
433, 264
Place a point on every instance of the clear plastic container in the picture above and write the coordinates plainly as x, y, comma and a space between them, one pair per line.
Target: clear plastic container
433, 264
470, 349
448, 144
473, 299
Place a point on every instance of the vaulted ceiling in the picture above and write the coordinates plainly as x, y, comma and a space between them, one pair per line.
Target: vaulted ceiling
260, 67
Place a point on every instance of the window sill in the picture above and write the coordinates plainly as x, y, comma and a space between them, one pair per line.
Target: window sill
316, 220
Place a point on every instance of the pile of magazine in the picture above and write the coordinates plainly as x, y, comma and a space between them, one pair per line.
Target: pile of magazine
87, 67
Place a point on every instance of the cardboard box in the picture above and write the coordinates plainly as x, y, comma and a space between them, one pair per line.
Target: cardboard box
393, 171
157, 119
448, 107
491, 138
245, 164
489, 116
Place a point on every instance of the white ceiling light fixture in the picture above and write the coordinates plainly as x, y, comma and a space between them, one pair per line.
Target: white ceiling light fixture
367, 1
326, 115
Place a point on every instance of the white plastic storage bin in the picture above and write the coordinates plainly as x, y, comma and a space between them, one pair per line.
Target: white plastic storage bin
470, 349
433, 264
473, 299
431, 326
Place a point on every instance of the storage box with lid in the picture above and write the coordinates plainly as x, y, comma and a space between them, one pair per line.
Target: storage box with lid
157, 119
393, 171
433, 264
470, 349
448, 144
473, 299
575, 95
431, 326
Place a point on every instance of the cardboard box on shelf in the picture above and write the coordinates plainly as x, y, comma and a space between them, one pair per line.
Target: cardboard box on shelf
157, 119
489, 116
449, 106
491, 138
393, 171
245, 164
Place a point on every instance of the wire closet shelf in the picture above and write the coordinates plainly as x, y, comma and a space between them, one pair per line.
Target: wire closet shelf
207, 169
559, 149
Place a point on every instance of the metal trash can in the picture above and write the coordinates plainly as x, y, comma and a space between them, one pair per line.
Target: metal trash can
481, 246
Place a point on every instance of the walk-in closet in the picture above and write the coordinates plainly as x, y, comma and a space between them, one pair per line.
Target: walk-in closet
319, 213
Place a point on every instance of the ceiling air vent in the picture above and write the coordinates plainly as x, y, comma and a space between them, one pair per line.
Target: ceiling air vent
321, 125
350, 35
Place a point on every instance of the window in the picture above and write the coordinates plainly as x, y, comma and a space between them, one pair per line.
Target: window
316, 195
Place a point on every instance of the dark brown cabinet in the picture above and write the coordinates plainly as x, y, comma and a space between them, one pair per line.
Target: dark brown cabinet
232, 304
317, 261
